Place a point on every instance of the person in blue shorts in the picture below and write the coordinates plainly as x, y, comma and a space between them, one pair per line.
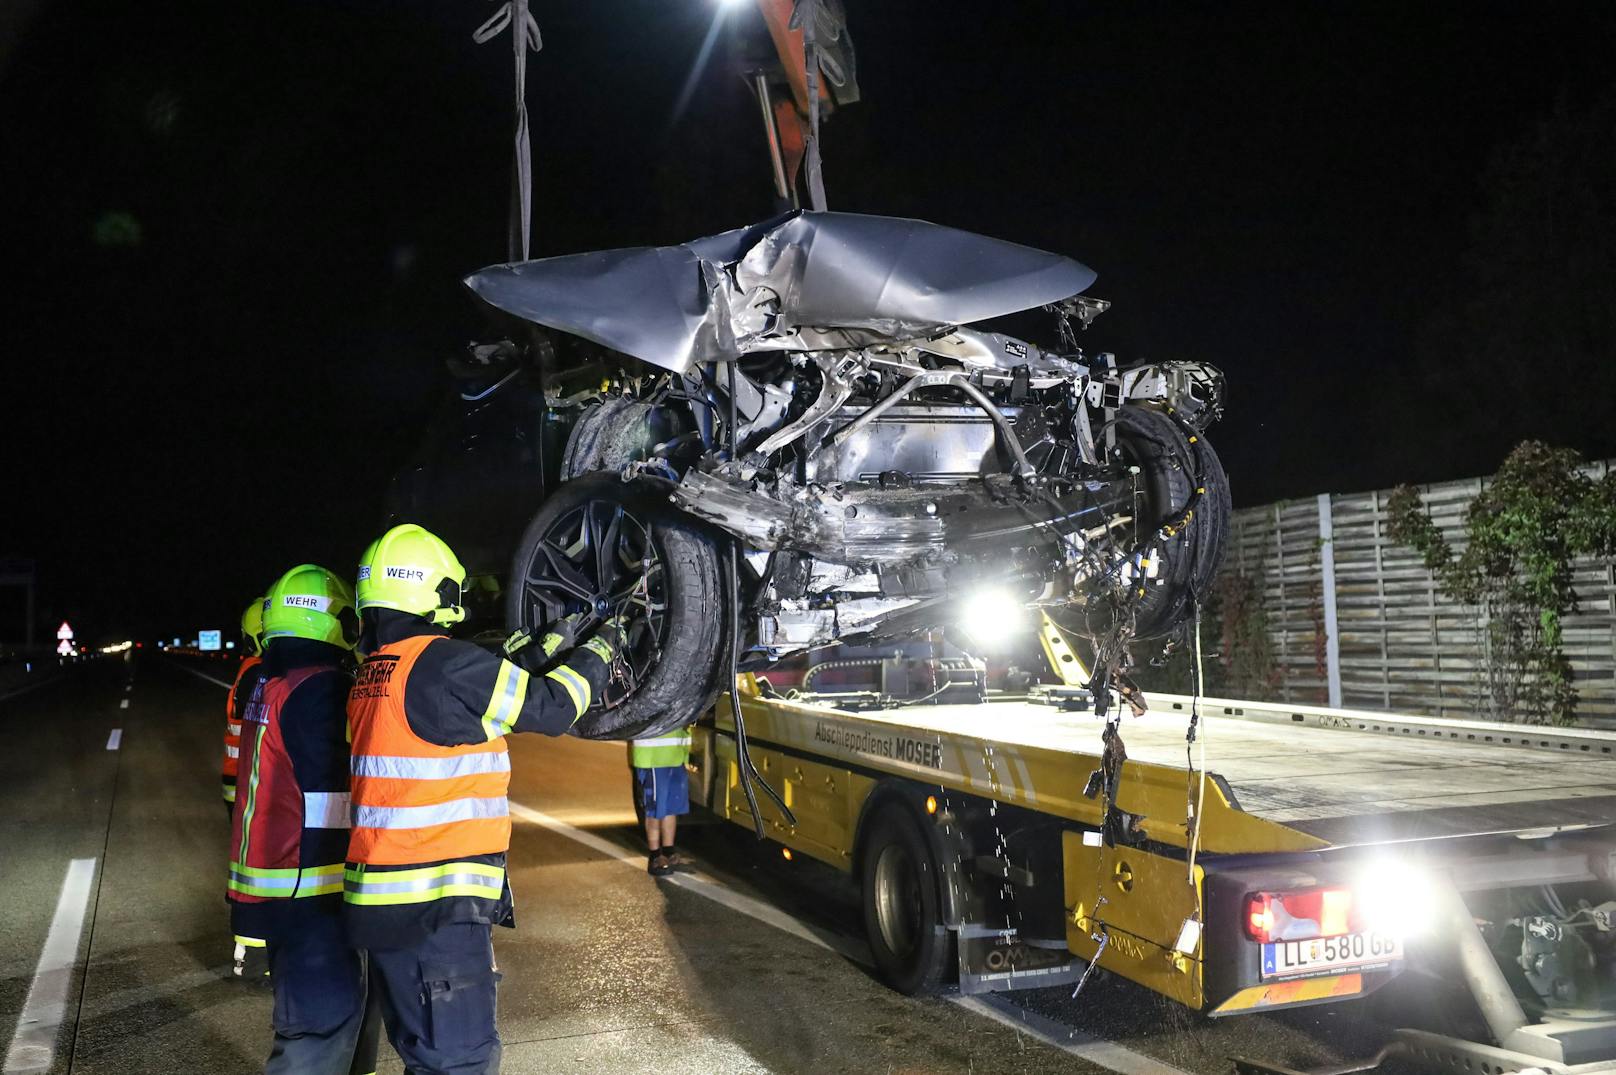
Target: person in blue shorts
664, 787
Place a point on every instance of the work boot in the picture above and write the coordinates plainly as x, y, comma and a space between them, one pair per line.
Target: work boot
671, 854
658, 865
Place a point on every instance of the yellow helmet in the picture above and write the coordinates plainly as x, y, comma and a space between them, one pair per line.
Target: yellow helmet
311, 602
409, 569
252, 625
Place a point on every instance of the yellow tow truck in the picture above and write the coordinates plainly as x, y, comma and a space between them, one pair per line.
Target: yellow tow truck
1333, 850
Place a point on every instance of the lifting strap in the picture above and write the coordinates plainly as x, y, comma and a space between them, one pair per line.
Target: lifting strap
524, 36
805, 17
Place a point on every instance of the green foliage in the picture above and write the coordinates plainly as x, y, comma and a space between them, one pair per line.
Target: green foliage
1526, 528
1245, 652
1238, 654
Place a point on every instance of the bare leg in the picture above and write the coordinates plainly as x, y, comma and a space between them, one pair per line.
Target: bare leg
653, 832
668, 825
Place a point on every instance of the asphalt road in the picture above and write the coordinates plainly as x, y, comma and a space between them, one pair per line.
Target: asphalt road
115, 947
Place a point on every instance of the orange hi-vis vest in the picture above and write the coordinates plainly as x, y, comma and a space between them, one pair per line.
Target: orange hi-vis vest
415, 802
232, 730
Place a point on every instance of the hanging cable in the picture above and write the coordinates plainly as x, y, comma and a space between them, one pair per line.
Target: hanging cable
524, 37
1196, 741
743, 754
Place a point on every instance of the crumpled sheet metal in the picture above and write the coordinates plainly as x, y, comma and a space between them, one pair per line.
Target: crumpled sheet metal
801, 281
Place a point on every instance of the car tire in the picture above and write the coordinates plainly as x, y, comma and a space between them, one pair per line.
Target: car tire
675, 682
1170, 465
903, 921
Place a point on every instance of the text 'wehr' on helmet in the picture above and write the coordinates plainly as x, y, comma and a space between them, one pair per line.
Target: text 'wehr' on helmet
410, 569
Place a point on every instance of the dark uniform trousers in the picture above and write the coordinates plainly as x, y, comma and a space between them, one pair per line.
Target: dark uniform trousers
324, 1022
438, 1000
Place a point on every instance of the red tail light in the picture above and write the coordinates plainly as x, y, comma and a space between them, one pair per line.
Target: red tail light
1299, 916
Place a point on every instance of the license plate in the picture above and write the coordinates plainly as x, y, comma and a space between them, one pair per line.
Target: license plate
1358, 951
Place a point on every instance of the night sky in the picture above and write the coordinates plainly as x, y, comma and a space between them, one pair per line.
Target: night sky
234, 236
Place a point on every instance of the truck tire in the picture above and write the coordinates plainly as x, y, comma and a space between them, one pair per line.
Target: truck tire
604, 546
903, 920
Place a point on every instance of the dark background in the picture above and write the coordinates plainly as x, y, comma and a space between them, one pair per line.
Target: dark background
234, 236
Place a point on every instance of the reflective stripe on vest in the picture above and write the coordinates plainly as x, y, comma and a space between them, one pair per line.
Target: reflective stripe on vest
325, 809
377, 887
286, 884
663, 752
420, 817
413, 801
232, 726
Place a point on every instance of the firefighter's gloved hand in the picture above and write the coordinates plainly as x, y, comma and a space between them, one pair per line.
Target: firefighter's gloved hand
561, 635
609, 640
251, 963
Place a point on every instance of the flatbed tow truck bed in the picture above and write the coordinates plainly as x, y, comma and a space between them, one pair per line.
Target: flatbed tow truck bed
975, 832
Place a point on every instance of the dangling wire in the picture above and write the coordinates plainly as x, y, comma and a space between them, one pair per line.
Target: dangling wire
1196, 740
743, 753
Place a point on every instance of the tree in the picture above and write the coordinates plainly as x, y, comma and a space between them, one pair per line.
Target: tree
1526, 528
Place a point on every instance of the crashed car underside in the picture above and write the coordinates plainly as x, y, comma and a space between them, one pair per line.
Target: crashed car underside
802, 442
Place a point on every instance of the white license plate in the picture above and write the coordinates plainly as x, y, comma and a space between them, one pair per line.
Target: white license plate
1357, 951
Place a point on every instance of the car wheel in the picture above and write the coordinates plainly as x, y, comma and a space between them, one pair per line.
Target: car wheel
903, 919
1169, 464
605, 547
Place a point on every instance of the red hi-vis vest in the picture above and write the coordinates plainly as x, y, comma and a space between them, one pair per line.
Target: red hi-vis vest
274, 814
416, 802
232, 730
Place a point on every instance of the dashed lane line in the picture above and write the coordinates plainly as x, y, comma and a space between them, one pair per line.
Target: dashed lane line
226, 684
124, 704
115, 739
33, 1045
1107, 1054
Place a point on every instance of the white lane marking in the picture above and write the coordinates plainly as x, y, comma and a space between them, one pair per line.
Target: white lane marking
1107, 1054
33, 1045
124, 704
128, 686
115, 739
763, 912
19, 692
202, 675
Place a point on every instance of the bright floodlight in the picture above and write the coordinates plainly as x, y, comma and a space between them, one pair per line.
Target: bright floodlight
1397, 899
992, 614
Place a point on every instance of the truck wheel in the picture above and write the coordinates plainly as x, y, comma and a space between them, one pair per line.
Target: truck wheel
605, 547
902, 912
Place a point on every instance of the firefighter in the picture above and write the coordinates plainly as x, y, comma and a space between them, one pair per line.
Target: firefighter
252, 629
250, 963
428, 716
290, 830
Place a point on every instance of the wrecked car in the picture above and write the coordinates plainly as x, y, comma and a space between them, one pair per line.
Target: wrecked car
801, 432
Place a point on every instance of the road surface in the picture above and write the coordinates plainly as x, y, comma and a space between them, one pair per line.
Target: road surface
115, 947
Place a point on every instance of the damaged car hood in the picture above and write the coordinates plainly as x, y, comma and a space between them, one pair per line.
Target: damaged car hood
801, 281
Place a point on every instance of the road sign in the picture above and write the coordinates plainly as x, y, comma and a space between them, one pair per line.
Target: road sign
64, 631
208, 640
65, 648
